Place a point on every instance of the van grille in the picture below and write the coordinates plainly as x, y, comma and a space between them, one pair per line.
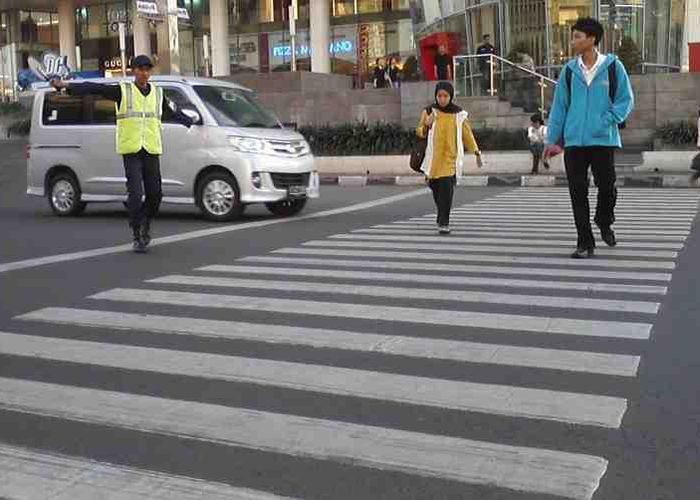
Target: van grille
282, 181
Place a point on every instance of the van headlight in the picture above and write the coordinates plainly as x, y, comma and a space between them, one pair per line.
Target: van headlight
248, 144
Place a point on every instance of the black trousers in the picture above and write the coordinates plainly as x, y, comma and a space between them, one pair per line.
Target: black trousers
142, 177
536, 149
443, 189
602, 163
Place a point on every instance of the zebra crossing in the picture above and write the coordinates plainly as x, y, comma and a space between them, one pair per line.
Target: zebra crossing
461, 313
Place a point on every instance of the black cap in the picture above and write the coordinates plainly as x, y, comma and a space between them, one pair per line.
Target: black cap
141, 60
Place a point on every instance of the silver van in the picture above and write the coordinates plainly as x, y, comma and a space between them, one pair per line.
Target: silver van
236, 154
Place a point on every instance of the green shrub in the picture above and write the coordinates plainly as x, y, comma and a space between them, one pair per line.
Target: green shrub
361, 139
19, 127
678, 133
8, 108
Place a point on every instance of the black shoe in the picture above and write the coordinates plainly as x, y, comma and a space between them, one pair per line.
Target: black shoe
608, 236
138, 245
583, 253
534, 172
546, 165
146, 232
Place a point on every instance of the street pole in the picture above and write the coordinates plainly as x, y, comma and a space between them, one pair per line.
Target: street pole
173, 36
122, 46
205, 42
293, 33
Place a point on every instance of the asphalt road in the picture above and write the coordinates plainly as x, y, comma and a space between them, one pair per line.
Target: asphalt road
353, 355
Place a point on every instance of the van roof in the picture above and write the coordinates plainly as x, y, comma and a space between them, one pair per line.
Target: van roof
187, 80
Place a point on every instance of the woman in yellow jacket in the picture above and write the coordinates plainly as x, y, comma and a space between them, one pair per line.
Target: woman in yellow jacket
445, 126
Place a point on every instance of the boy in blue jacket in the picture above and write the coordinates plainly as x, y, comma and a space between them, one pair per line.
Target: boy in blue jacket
592, 101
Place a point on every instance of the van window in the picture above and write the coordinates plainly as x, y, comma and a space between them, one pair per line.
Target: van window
62, 109
103, 111
180, 100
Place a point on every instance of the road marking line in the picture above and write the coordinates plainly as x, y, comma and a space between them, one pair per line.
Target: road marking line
571, 475
492, 399
363, 243
201, 233
470, 297
466, 319
562, 229
396, 345
456, 268
33, 474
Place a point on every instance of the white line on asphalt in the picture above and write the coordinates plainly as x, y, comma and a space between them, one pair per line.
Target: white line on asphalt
493, 399
570, 475
352, 249
563, 229
631, 212
531, 235
546, 221
577, 286
43, 475
456, 268
465, 319
666, 206
563, 217
396, 345
440, 294
175, 238
363, 242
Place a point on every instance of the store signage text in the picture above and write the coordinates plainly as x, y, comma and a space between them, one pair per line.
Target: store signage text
337, 47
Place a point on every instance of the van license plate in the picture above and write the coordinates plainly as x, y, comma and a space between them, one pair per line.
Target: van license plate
296, 191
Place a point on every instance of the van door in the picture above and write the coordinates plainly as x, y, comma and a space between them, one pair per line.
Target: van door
102, 161
182, 148
58, 138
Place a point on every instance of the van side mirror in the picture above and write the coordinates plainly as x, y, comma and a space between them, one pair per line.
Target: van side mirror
193, 115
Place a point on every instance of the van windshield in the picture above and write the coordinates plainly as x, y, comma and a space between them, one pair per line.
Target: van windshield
233, 108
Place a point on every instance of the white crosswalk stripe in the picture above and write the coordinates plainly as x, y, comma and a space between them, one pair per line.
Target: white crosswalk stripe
30, 474
408, 311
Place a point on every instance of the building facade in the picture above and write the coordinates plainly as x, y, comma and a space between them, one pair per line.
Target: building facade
339, 36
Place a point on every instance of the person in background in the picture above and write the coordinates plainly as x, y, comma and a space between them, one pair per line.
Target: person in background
443, 64
140, 107
394, 72
381, 76
445, 126
593, 98
695, 164
536, 134
485, 63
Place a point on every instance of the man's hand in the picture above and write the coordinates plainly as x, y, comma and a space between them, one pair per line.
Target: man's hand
550, 150
58, 84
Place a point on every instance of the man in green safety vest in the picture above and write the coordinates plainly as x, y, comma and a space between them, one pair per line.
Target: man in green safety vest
140, 107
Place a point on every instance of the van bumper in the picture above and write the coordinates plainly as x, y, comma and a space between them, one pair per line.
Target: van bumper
36, 191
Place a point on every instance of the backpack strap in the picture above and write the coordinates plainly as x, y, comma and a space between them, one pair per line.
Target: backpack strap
612, 80
568, 74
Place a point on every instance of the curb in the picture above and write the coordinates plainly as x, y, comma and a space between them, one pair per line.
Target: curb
648, 181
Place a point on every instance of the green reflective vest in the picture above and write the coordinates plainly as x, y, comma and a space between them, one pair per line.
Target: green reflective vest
139, 120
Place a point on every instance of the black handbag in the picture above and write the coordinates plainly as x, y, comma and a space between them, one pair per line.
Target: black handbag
418, 149
418, 154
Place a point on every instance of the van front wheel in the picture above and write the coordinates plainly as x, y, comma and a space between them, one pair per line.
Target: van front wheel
64, 195
218, 197
287, 208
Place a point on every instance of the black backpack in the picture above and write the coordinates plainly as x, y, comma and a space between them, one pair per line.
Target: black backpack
612, 89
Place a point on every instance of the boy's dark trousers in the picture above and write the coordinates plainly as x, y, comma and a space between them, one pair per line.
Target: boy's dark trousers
142, 177
602, 163
443, 189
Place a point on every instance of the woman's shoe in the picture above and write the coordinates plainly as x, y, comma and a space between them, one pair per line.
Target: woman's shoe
444, 230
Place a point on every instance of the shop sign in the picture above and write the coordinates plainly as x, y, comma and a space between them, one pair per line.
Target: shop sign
336, 47
147, 8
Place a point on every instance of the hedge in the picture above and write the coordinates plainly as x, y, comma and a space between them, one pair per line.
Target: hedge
678, 133
362, 139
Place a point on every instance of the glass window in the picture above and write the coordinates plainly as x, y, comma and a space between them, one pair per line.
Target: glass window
233, 108
103, 111
180, 100
61, 109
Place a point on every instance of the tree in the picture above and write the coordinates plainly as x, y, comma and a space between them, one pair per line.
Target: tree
630, 55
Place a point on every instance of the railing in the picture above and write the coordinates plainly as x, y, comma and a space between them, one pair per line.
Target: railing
492, 75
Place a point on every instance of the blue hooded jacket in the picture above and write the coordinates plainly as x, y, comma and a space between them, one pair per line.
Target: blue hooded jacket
587, 117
